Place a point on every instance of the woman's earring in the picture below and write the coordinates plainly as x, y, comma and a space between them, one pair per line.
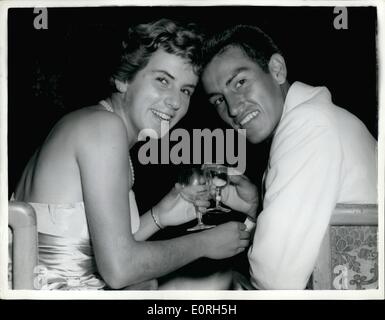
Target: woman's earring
121, 86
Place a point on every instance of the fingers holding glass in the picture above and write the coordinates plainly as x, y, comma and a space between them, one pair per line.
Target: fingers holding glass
196, 191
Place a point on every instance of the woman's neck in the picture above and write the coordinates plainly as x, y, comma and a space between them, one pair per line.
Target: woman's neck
120, 109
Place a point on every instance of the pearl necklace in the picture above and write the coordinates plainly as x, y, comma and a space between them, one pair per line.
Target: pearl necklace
108, 107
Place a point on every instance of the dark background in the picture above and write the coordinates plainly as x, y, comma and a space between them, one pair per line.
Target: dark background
52, 72
55, 71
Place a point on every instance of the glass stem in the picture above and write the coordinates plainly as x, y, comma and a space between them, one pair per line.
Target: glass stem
217, 196
199, 216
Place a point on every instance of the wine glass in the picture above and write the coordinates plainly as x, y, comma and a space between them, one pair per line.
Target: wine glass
217, 176
190, 179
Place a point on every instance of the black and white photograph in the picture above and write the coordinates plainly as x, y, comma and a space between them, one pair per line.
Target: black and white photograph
192, 150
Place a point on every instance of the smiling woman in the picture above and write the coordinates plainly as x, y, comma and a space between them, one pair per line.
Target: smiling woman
160, 91
80, 180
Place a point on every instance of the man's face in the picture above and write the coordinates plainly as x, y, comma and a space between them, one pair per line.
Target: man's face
245, 96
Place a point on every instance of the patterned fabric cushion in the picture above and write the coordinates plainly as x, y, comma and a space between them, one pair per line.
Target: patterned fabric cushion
354, 257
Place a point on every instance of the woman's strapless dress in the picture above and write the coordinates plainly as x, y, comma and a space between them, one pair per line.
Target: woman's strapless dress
66, 259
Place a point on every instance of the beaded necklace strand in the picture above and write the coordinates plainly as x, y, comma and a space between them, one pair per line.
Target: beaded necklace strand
108, 107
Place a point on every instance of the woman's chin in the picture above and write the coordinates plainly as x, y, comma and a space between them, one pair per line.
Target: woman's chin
152, 133
148, 133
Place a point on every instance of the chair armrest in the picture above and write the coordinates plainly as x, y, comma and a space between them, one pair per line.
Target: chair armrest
22, 221
355, 215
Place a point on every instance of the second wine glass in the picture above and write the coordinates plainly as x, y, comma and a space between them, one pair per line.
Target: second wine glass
217, 175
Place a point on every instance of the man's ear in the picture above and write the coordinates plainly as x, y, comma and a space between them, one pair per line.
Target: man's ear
121, 86
277, 68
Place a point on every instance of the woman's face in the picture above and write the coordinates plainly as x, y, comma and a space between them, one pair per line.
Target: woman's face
160, 92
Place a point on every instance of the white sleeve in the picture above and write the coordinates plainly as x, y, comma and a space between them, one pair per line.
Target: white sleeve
302, 187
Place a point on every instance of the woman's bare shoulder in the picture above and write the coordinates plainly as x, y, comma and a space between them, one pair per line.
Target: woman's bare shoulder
89, 121
87, 116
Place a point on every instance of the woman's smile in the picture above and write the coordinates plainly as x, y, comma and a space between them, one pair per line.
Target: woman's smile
162, 115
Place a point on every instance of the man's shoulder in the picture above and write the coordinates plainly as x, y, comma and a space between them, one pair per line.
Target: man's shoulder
305, 103
308, 120
311, 113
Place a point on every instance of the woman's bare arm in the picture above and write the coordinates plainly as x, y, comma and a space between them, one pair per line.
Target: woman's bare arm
102, 155
147, 227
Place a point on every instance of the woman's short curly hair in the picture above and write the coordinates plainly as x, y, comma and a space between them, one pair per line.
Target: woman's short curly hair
183, 40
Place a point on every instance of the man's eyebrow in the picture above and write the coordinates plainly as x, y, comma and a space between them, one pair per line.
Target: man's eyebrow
210, 95
192, 86
234, 74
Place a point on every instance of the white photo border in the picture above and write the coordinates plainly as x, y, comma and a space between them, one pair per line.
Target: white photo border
5, 293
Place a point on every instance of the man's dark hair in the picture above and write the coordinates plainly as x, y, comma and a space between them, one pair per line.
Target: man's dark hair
183, 40
256, 44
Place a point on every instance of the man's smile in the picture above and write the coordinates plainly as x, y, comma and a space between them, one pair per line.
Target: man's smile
248, 117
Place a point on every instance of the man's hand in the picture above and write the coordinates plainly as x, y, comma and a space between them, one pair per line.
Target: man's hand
226, 240
241, 195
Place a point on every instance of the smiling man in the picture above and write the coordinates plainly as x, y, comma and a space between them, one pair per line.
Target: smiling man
320, 154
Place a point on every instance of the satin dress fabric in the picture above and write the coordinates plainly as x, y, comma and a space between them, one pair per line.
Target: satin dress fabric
66, 258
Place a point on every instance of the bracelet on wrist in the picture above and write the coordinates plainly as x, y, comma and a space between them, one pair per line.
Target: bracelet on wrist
156, 219
249, 224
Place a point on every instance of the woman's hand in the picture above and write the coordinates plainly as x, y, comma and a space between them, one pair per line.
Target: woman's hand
226, 240
241, 195
175, 209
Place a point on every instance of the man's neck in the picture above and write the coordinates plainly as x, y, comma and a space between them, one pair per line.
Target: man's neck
285, 89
